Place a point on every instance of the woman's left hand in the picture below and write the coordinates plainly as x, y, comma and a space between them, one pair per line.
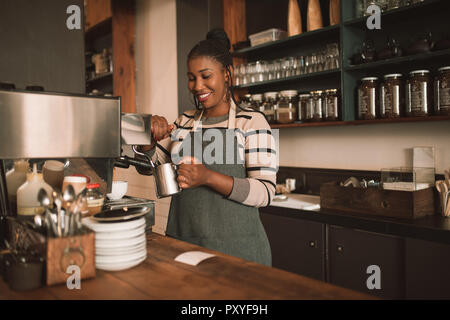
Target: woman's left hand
192, 174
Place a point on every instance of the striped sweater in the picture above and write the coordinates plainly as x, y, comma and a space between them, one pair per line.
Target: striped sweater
258, 150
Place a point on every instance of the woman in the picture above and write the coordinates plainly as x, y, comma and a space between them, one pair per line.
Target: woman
218, 207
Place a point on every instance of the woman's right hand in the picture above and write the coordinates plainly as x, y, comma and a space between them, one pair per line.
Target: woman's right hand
161, 129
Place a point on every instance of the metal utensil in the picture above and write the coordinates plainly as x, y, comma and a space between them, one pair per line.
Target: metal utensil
68, 195
447, 178
43, 198
58, 202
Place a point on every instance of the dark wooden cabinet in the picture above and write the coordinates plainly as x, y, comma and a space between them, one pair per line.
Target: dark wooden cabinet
297, 245
351, 252
427, 269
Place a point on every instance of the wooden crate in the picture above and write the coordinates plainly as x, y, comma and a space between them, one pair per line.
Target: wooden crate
378, 202
76, 250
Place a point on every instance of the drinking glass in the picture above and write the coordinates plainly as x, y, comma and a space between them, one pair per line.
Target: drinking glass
251, 72
237, 76
300, 65
277, 69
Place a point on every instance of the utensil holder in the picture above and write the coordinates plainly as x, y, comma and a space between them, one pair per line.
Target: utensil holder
77, 250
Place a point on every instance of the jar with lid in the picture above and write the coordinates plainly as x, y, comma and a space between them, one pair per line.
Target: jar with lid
246, 102
392, 96
95, 198
317, 103
442, 92
368, 98
418, 94
257, 102
270, 105
331, 106
303, 106
286, 111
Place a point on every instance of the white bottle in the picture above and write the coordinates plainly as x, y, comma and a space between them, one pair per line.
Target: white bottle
27, 194
15, 178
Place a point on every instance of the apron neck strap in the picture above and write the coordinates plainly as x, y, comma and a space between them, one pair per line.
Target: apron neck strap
231, 117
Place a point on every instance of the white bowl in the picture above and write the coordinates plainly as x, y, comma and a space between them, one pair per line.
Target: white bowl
118, 190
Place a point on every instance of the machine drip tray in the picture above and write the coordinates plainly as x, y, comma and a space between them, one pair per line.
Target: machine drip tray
131, 202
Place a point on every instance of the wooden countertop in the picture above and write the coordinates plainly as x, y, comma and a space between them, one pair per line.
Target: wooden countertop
220, 278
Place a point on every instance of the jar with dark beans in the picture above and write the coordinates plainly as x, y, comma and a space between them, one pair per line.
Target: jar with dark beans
442, 92
392, 96
257, 102
270, 105
418, 93
368, 98
331, 106
317, 105
303, 107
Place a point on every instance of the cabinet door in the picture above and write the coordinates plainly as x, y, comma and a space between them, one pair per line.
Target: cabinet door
352, 252
297, 245
427, 270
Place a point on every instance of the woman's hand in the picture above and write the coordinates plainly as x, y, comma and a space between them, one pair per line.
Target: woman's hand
192, 174
160, 127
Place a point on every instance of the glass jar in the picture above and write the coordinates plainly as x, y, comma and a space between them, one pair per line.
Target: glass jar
368, 98
246, 102
418, 93
442, 92
391, 96
303, 105
331, 106
316, 101
286, 111
270, 105
257, 102
94, 198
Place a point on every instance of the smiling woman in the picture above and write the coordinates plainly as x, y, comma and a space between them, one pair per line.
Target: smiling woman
217, 208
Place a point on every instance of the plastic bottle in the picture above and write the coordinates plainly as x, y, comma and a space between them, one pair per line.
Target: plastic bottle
27, 194
15, 178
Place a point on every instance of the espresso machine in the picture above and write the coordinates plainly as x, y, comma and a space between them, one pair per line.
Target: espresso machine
45, 125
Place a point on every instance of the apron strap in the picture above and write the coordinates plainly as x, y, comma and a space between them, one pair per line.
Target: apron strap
232, 116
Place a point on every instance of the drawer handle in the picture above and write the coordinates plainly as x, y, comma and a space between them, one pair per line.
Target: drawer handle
340, 248
312, 244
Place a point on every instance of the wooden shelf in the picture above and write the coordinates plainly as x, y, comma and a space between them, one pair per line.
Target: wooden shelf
422, 57
290, 79
102, 76
394, 14
101, 29
361, 122
294, 40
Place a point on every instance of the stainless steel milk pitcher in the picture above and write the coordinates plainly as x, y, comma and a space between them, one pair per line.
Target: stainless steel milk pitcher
165, 177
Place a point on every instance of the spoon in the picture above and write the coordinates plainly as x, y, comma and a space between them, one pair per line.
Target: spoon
58, 203
43, 198
447, 177
68, 195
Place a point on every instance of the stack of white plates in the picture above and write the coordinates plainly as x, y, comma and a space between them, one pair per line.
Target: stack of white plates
118, 245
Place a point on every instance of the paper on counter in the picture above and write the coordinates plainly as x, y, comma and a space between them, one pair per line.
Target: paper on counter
193, 258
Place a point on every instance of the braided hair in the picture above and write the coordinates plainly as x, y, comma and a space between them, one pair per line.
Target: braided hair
216, 46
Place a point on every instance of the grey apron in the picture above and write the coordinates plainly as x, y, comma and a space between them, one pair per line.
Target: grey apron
206, 218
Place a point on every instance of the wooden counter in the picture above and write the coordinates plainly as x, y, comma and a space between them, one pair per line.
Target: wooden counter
222, 278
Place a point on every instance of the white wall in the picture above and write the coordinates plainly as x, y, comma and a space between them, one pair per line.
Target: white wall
156, 86
367, 147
